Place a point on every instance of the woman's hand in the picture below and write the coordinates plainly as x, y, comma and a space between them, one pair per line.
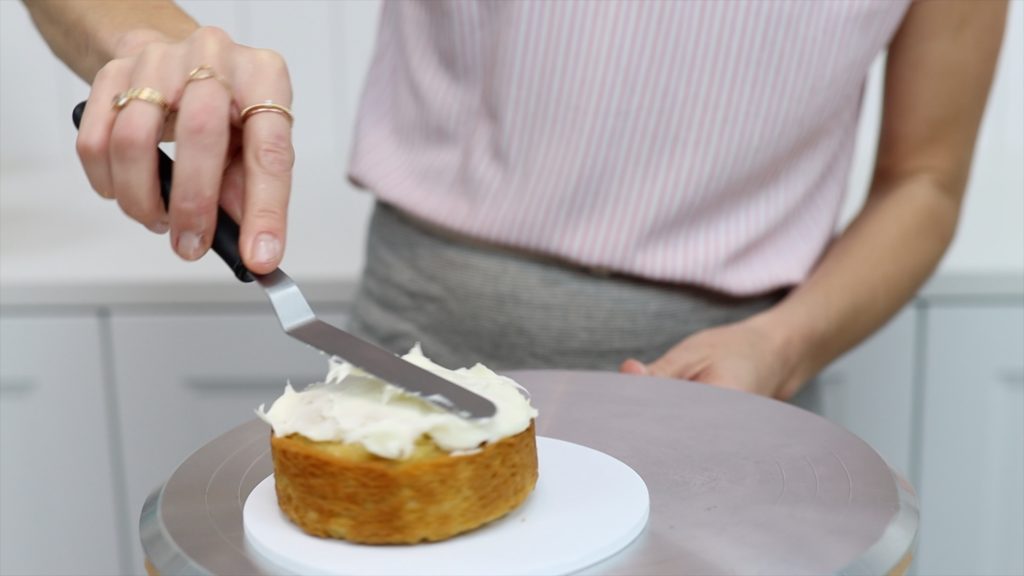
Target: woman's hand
747, 356
244, 166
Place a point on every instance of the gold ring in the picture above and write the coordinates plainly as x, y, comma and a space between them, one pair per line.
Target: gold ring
145, 94
266, 106
205, 72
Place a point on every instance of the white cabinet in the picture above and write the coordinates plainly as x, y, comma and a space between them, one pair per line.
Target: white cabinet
972, 452
184, 378
57, 472
869, 391
98, 408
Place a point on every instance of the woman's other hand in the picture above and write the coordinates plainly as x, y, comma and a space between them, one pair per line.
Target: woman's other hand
746, 355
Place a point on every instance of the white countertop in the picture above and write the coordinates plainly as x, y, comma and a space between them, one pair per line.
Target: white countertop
63, 245
974, 284
60, 243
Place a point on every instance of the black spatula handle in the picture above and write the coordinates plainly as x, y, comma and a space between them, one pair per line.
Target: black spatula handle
225, 237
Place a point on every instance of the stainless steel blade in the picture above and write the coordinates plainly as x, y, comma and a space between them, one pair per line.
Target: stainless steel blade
299, 321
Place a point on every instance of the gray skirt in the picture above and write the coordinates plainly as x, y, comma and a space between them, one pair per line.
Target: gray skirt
467, 302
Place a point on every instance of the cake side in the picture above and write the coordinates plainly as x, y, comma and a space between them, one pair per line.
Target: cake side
341, 490
360, 459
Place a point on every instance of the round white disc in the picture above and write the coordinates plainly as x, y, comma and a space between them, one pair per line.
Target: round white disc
586, 507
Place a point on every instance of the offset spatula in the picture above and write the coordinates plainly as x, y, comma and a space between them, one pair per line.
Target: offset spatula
299, 321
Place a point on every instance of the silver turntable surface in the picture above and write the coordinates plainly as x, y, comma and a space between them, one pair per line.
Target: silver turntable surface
739, 484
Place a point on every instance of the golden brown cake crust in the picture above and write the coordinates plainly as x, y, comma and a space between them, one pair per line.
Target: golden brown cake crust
343, 491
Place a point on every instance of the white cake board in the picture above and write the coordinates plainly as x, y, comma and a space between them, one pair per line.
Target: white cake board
586, 507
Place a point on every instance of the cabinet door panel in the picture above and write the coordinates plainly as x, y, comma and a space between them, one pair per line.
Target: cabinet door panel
973, 442
185, 379
56, 476
869, 391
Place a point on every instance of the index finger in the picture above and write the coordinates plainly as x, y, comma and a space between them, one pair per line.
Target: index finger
268, 158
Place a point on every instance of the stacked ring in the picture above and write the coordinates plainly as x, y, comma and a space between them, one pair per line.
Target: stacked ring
266, 106
205, 72
150, 95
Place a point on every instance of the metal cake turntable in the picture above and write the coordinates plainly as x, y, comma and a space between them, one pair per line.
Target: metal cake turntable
738, 484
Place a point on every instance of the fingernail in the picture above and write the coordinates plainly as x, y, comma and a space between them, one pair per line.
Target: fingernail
160, 227
266, 248
189, 245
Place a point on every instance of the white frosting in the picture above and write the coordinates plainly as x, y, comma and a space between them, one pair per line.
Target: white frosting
353, 406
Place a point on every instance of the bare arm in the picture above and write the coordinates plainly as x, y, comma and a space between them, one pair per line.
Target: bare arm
937, 80
938, 75
87, 35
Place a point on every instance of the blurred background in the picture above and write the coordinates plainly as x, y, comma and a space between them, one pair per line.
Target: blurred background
117, 360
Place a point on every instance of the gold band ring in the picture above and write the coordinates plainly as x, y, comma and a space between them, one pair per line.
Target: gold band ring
266, 106
205, 72
150, 95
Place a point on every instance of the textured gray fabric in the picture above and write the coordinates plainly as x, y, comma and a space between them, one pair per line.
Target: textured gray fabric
467, 303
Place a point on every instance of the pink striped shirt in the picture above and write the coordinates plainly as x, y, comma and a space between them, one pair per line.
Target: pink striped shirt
698, 142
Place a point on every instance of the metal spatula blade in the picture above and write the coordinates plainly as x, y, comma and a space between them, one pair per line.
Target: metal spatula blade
299, 321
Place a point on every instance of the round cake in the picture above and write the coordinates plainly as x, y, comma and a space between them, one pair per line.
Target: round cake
359, 459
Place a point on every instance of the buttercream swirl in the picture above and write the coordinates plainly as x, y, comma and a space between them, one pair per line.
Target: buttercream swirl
353, 406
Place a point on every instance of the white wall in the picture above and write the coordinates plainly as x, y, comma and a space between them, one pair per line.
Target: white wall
328, 45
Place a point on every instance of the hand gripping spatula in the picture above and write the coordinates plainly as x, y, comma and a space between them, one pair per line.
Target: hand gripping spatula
299, 321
